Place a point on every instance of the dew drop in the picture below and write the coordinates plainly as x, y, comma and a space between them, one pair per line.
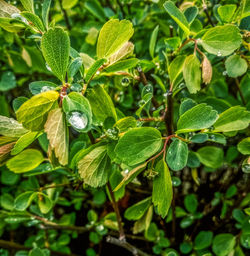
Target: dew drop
78, 120
100, 228
246, 168
219, 53
112, 133
48, 67
176, 181
18, 17
224, 73
125, 82
46, 88
126, 171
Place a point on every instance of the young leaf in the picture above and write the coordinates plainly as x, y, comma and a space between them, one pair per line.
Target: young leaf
78, 111
55, 46
175, 68
113, 35
203, 240
244, 146
162, 189
101, 104
125, 123
223, 244
192, 73
235, 66
153, 41
199, 117
28, 5
74, 67
57, 134
191, 203
226, 12
177, 16
136, 211
95, 8
23, 201
122, 65
93, 69
211, 156
24, 141
221, 40
177, 155
44, 203
41, 86
34, 20
94, 167
45, 12
33, 113
138, 144
26, 161
10, 127
233, 119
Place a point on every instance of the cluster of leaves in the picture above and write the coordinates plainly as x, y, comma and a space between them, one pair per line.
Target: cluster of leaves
165, 118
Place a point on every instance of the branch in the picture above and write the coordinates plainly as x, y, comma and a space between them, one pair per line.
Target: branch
15, 246
239, 89
135, 251
117, 213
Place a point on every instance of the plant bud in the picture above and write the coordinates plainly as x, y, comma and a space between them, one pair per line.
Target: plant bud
207, 71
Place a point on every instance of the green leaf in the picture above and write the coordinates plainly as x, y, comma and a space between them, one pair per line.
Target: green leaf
221, 40
131, 175
144, 223
41, 86
68, 4
10, 127
244, 146
177, 16
226, 12
55, 46
94, 167
192, 73
6, 9
162, 189
199, 117
177, 155
138, 144
45, 12
37, 252
93, 69
24, 141
6, 202
211, 156
191, 13
8, 81
125, 123
78, 111
191, 203
34, 20
26, 161
152, 42
175, 68
122, 65
74, 67
58, 134
28, 5
113, 35
33, 113
44, 203
223, 244
235, 66
101, 104
23, 201
95, 8
203, 240
233, 119
136, 211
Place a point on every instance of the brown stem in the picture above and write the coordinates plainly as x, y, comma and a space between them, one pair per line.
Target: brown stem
241, 94
168, 115
173, 216
135, 251
15, 246
65, 15
208, 16
150, 119
117, 213
91, 137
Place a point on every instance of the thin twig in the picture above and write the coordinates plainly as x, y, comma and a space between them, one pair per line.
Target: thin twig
240, 92
135, 251
65, 15
117, 213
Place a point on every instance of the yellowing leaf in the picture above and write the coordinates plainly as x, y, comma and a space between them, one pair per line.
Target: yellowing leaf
26, 161
95, 166
10, 127
57, 133
113, 35
33, 113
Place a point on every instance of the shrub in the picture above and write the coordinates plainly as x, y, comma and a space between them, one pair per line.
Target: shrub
124, 127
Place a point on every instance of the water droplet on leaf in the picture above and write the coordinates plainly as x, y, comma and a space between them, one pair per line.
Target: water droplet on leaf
219, 53
48, 67
125, 82
78, 120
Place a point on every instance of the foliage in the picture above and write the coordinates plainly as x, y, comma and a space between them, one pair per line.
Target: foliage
124, 124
